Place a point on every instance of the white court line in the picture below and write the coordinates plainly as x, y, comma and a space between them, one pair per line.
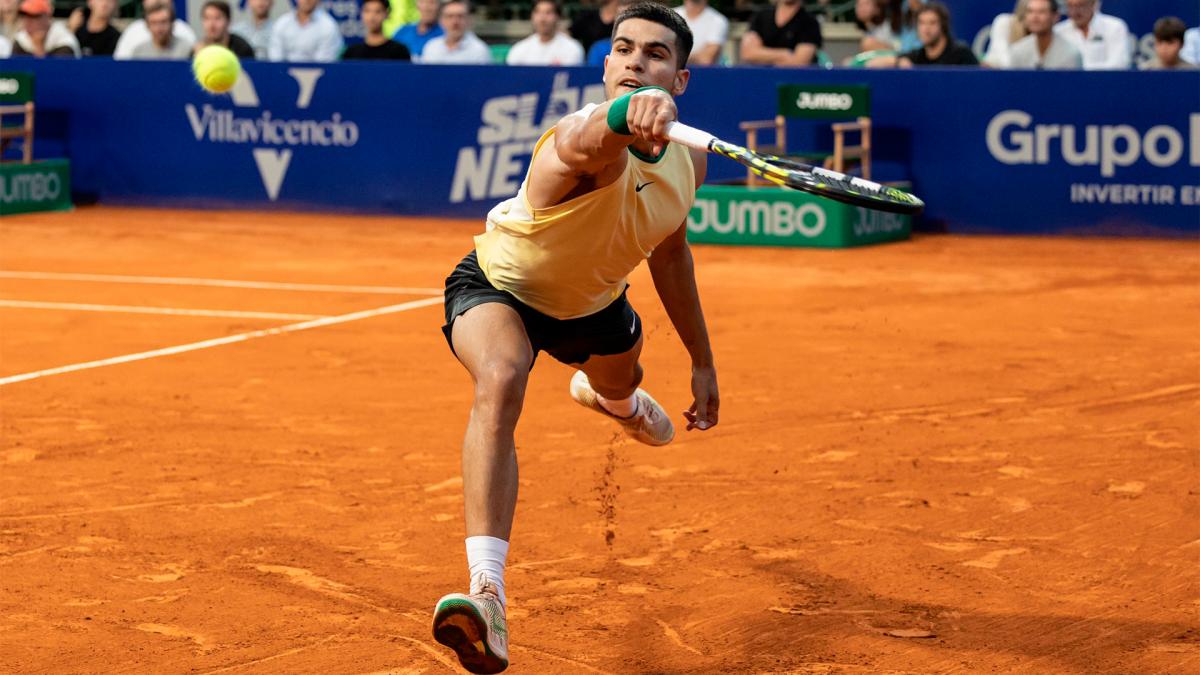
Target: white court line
240, 337
130, 309
222, 283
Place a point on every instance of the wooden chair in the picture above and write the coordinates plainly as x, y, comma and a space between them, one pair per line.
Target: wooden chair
16, 99
819, 103
22, 131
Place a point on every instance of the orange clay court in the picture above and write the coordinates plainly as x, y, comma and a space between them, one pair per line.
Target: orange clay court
954, 454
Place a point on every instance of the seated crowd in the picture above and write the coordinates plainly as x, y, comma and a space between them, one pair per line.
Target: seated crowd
1037, 34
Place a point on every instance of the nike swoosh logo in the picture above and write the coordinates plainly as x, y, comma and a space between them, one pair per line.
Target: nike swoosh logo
639, 188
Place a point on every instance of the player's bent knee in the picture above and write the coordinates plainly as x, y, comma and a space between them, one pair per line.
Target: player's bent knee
500, 390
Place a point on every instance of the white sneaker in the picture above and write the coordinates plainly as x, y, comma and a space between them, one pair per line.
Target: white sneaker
649, 425
475, 628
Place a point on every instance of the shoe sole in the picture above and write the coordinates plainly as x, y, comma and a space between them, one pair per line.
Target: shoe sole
459, 626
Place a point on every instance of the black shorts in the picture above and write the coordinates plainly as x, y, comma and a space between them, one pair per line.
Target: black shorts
613, 330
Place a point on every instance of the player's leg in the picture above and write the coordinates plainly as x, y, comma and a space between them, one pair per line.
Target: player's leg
491, 342
610, 372
615, 378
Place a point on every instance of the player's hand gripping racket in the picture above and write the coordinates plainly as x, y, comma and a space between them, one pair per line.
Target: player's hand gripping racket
812, 179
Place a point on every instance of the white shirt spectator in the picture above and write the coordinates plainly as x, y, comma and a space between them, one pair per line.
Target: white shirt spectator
137, 32
1107, 46
319, 40
57, 36
708, 28
5, 47
1061, 55
562, 50
1191, 47
999, 48
178, 50
470, 50
259, 37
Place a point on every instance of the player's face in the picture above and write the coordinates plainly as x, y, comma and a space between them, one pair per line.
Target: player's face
1039, 18
454, 19
544, 19
306, 6
929, 28
643, 54
1168, 51
1081, 11
259, 8
215, 24
373, 17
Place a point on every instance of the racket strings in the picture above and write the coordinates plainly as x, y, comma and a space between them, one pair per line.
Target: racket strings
826, 183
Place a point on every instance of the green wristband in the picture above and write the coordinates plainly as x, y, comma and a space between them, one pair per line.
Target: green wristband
618, 112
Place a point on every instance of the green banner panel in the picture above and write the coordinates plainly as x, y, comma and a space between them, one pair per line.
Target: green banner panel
766, 216
824, 102
16, 87
41, 186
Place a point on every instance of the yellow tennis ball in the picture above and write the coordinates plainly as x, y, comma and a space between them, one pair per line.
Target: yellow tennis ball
216, 69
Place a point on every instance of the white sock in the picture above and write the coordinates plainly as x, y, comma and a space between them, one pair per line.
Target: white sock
485, 557
626, 407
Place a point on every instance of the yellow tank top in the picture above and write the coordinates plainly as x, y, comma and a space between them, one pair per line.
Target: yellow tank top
572, 259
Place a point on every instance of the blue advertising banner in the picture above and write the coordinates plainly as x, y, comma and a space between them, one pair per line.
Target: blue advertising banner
972, 19
1029, 152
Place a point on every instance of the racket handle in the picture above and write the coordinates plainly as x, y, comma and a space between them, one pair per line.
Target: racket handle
689, 136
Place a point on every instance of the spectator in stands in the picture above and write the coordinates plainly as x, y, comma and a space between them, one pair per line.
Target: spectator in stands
601, 48
1102, 39
416, 35
592, 25
163, 45
39, 36
710, 30
375, 44
307, 33
256, 27
214, 16
400, 12
10, 19
1044, 48
881, 29
909, 40
458, 44
599, 51
93, 27
137, 33
1168, 45
938, 46
783, 35
1191, 46
1006, 30
547, 46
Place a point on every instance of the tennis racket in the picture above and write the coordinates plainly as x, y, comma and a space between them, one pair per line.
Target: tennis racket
811, 179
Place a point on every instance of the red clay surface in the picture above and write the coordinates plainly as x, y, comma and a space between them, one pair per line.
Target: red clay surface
947, 455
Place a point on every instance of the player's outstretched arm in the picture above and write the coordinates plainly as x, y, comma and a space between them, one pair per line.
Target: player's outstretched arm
674, 277
588, 145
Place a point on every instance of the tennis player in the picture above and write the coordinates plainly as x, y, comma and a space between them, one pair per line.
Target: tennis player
604, 191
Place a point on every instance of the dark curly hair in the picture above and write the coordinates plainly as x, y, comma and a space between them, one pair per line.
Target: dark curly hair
660, 14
